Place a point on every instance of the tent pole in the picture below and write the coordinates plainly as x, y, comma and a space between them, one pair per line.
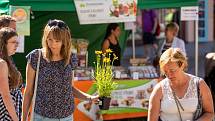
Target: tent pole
133, 42
196, 47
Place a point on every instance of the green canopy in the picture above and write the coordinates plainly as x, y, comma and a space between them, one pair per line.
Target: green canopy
46, 5
68, 5
93, 33
4, 5
43, 10
142, 4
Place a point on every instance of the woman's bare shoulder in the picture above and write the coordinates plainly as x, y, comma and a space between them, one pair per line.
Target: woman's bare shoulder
158, 89
106, 41
3, 64
202, 83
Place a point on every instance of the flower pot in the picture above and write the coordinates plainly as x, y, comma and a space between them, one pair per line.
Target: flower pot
104, 103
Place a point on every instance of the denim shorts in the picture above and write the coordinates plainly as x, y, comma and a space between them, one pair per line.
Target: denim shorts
38, 117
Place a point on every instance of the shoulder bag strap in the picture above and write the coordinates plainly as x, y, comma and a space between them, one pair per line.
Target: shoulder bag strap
197, 81
198, 93
35, 85
198, 89
178, 104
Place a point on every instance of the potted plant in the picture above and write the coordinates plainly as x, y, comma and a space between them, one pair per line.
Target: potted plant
103, 76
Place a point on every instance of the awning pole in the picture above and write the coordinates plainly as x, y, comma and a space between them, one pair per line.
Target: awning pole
133, 41
196, 46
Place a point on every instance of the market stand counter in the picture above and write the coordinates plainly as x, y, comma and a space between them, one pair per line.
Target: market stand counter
129, 100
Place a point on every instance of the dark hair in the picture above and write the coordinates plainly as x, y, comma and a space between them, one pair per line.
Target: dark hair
5, 20
110, 27
59, 23
5, 34
14, 76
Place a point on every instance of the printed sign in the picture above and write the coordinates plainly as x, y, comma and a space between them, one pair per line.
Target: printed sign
129, 97
22, 15
106, 11
190, 13
129, 25
21, 46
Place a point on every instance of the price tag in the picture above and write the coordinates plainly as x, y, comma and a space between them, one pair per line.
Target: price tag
117, 74
135, 75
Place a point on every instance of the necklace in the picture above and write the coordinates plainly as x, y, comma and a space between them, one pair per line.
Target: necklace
180, 89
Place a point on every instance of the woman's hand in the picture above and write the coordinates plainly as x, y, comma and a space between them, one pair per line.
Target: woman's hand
94, 99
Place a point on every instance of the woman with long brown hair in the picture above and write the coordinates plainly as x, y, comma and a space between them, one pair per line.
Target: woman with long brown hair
55, 91
10, 78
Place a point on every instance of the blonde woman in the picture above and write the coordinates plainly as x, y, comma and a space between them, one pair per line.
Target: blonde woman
171, 39
10, 78
55, 92
175, 98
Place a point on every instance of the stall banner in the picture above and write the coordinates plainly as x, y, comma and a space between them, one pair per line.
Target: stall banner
131, 96
106, 11
21, 46
22, 15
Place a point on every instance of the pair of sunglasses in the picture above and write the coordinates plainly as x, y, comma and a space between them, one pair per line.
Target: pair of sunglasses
58, 23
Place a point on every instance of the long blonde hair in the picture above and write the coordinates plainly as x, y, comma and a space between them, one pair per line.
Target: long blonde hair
60, 31
13, 74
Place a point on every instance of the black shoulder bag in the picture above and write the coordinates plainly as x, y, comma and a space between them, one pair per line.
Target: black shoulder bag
199, 110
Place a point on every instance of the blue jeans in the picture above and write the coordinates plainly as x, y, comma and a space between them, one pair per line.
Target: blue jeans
38, 117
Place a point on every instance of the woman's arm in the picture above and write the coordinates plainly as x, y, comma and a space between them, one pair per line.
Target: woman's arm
155, 25
5, 92
154, 103
81, 95
84, 96
28, 93
208, 107
105, 45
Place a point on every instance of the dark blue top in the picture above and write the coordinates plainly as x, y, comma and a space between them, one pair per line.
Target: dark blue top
54, 97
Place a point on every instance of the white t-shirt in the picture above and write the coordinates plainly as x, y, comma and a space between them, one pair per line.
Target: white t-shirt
169, 111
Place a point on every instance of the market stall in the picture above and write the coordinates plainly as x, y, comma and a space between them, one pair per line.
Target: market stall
43, 10
131, 97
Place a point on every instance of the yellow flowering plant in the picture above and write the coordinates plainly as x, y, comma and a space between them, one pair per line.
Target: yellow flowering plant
103, 73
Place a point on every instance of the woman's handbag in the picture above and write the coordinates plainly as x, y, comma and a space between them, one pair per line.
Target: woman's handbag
35, 86
199, 110
159, 119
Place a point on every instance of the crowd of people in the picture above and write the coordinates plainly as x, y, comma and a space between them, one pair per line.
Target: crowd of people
175, 98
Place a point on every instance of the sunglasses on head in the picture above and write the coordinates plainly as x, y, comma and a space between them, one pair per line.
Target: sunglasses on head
57, 23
